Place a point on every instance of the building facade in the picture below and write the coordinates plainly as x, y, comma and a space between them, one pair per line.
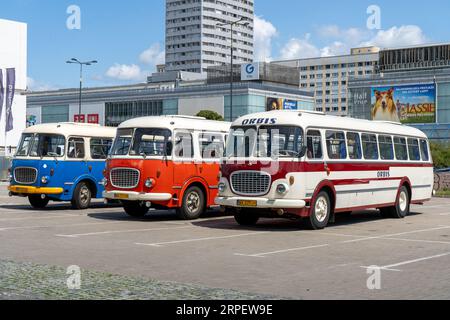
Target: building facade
194, 41
416, 80
165, 94
327, 77
13, 57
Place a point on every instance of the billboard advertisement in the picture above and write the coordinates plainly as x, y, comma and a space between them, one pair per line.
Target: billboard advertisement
281, 104
407, 104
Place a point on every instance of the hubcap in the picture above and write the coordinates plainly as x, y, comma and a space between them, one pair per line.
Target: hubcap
193, 202
321, 209
403, 201
84, 194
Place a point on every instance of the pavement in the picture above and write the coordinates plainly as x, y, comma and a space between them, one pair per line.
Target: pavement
362, 256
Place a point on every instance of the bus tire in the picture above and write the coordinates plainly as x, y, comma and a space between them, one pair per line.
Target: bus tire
135, 209
320, 212
193, 204
37, 202
402, 207
246, 219
82, 196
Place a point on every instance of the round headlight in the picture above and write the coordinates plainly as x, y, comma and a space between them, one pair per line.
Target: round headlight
44, 180
222, 187
282, 189
150, 183
104, 182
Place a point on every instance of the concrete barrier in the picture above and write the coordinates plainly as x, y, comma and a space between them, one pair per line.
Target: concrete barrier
442, 181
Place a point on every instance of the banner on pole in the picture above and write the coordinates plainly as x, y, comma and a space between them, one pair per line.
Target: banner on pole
10, 92
2, 93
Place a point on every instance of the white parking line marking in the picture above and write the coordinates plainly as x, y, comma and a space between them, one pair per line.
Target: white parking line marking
392, 266
397, 234
161, 244
418, 240
57, 226
116, 231
263, 254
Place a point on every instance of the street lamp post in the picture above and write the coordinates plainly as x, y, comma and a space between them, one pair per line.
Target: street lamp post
240, 22
87, 63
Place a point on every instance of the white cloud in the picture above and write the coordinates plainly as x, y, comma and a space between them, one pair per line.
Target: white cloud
297, 48
398, 36
34, 85
153, 55
263, 35
125, 72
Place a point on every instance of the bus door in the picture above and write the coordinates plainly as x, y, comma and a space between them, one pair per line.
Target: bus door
315, 157
211, 148
184, 165
76, 159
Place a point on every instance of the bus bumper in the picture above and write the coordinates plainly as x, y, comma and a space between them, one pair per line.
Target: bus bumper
262, 203
34, 190
136, 196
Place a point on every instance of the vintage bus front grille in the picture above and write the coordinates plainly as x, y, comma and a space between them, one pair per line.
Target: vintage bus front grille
125, 178
250, 183
25, 175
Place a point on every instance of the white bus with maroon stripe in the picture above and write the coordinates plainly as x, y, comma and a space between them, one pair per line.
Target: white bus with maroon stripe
313, 166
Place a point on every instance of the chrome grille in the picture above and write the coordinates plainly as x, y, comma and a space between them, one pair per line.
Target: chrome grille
125, 178
250, 183
25, 175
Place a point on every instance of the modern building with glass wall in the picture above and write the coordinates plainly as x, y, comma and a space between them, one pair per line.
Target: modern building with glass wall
417, 80
327, 77
195, 38
166, 94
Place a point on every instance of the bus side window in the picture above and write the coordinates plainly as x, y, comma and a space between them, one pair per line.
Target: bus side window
76, 148
336, 145
401, 150
386, 148
184, 147
100, 148
211, 145
424, 150
413, 148
354, 146
370, 146
314, 145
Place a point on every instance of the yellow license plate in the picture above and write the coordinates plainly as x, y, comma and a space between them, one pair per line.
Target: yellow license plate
21, 190
121, 196
247, 203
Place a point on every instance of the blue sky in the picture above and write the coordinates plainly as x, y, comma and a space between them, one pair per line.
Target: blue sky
127, 37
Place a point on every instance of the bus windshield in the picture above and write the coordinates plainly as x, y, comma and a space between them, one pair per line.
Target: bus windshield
47, 145
24, 146
152, 143
123, 142
265, 142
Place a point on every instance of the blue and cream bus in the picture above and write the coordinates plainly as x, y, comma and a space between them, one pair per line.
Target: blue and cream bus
61, 162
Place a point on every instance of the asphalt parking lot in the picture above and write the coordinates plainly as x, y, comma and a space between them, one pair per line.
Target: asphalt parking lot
277, 258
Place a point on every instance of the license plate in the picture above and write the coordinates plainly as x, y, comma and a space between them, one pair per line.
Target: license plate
21, 190
120, 196
247, 203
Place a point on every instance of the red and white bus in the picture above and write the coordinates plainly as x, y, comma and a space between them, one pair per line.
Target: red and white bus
313, 166
168, 162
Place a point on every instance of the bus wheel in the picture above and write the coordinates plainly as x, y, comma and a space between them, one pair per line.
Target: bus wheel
37, 202
135, 209
193, 205
402, 207
81, 197
246, 219
320, 212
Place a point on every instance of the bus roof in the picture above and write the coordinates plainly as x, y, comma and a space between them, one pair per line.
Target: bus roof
177, 122
320, 120
73, 129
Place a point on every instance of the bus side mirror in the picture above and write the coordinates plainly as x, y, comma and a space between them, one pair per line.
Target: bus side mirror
303, 151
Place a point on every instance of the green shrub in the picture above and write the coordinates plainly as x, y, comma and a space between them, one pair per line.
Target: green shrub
210, 115
441, 155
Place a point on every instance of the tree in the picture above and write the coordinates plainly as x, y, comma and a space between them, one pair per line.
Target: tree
441, 155
210, 115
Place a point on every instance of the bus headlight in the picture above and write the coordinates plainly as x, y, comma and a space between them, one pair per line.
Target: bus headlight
44, 179
104, 182
282, 189
150, 183
222, 187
